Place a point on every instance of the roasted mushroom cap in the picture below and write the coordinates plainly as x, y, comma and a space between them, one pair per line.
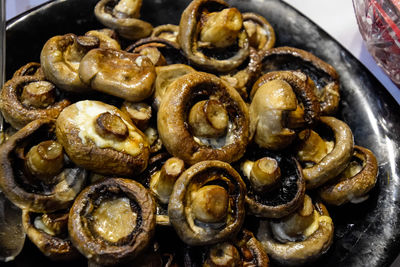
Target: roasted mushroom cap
354, 183
30, 69
261, 33
275, 184
329, 164
139, 112
32, 192
122, 16
118, 73
100, 137
323, 75
207, 90
299, 238
60, 59
244, 250
107, 38
207, 203
167, 31
206, 28
27, 98
112, 221
48, 231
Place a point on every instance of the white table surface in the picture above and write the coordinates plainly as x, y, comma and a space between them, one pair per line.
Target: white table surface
335, 17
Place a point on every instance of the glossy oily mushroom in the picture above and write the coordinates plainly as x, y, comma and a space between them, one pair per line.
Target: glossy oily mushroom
139, 112
269, 196
27, 98
243, 250
324, 76
167, 31
26, 190
30, 69
118, 73
172, 120
122, 16
354, 183
50, 234
107, 37
299, 238
206, 27
207, 203
100, 137
112, 221
261, 33
60, 59
336, 159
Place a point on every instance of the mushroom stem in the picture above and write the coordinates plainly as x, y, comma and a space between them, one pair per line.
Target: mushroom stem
39, 94
127, 9
223, 254
264, 174
111, 126
221, 29
210, 204
140, 113
208, 118
45, 160
312, 147
162, 182
53, 224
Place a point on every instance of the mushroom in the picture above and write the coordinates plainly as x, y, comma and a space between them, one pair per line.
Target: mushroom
207, 203
30, 69
167, 31
323, 75
261, 33
33, 175
330, 161
60, 59
118, 73
275, 184
122, 16
49, 232
227, 113
101, 138
107, 38
112, 221
27, 98
165, 76
140, 113
299, 238
244, 250
208, 27
353, 184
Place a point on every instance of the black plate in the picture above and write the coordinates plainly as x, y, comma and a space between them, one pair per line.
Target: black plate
366, 234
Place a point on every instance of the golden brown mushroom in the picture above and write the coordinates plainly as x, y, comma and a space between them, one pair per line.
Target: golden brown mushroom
207, 203
167, 31
30, 69
207, 27
118, 73
26, 98
112, 221
139, 112
100, 137
354, 183
49, 232
122, 16
324, 161
174, 119
60, 59
107, 37
23, 172
261, 33
299, 238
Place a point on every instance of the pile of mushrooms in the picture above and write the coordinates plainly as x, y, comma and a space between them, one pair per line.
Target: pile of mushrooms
202, 130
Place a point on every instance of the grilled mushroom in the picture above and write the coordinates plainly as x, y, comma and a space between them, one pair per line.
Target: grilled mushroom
30, 69
201, 103
167, 31
207, 203
140, 113
100, 137
354, 183
324, 76
299, 238
60, 59
122, 16
118, 73
208, 31
107, 38
49, 232
112, 221
261, 33
324, 161
32, 172
27, 98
